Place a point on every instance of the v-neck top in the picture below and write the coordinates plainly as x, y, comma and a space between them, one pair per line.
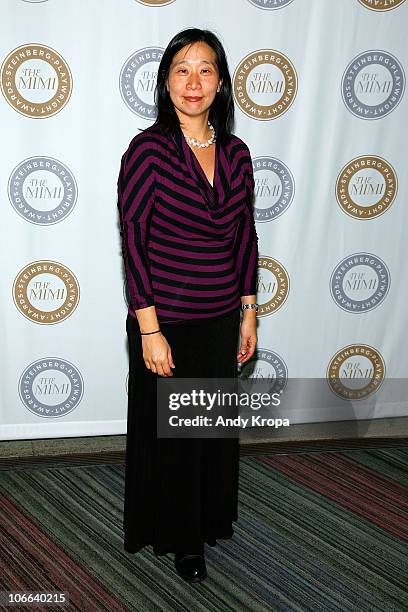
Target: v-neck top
200, 169
189, 248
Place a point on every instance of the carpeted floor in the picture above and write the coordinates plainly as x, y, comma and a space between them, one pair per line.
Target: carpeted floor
318, 531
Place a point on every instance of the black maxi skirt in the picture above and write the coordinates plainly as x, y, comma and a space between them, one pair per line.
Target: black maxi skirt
179, 492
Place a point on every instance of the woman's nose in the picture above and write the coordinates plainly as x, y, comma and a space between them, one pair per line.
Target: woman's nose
194, 81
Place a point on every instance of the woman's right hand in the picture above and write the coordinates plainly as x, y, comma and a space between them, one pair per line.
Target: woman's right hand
157, 354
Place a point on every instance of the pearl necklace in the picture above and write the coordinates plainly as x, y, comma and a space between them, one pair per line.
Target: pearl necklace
196, 143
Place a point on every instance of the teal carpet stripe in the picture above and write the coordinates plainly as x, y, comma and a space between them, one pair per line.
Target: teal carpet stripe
391, 463
293, 549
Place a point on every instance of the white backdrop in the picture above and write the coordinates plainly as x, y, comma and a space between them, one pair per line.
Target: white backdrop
319, 88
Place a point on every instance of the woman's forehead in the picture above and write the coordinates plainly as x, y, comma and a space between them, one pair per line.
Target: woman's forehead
196, 52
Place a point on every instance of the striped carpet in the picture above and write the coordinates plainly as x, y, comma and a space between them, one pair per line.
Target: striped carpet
319, 531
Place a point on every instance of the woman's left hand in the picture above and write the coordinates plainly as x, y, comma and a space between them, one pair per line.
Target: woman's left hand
248, 337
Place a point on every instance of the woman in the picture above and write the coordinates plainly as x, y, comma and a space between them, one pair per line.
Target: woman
189, 243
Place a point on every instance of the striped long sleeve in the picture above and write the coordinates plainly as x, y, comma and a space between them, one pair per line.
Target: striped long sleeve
136, 192
247, 256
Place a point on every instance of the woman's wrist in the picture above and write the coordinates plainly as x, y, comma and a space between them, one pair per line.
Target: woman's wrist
249, 307
148, 321
249, 315
147, 333
248, 299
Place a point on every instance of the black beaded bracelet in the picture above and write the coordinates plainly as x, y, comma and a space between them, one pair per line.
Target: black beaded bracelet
149, 333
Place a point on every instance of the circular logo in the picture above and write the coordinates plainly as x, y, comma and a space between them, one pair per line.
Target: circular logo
265, 84
274, 188
36, 81
366, 187
42, 190
360, 282
137, 81
270, 5
373, 84
51, 387
155, 2
356, 371
267, 365
381, 5
272, 285
46, 292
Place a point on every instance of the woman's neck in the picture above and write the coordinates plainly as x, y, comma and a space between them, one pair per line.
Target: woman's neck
196, 127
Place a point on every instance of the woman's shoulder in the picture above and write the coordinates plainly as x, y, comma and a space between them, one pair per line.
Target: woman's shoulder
148, 146
150, 139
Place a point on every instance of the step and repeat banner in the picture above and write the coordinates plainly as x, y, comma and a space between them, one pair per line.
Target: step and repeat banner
319, 88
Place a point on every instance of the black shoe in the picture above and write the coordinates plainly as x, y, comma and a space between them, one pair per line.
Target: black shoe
191, 567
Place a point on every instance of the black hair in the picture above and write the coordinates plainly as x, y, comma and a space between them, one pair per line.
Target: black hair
221, 113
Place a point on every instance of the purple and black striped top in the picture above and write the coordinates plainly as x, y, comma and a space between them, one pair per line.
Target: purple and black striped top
189, 248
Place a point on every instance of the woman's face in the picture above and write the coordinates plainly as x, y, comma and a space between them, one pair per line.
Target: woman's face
193, 80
